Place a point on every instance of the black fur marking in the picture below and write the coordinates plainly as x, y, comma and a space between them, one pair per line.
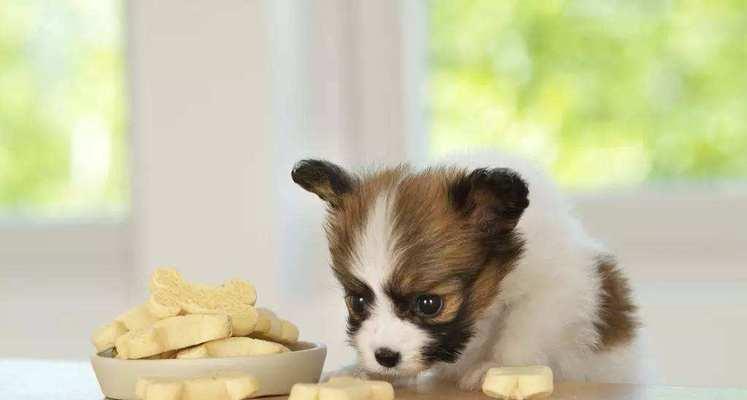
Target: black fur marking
354, 287
323, 178
506, 247
500, 193
448, 339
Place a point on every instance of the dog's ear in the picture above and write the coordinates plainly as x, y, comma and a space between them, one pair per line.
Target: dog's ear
494, 199
323, 178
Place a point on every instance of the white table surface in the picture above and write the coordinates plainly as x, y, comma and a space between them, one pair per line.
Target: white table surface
22, 379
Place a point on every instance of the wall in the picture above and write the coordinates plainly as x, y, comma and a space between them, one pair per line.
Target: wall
219, 117
685, 255
57, 282
202, 150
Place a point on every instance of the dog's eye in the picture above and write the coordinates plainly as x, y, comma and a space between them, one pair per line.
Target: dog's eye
428, 305
356, 304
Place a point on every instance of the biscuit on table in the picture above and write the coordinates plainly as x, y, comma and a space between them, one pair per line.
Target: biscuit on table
213, 388
518, 383
343, 388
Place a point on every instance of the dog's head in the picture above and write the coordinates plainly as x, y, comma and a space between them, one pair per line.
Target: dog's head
420, 255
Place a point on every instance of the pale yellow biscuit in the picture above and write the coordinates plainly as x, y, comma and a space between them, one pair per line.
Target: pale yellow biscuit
232, 347
288, 332
105, 336
344, 391
173, 333
170, 293
270, 327
304, 391
234, 292
153, 389
140, 317
264, 321
380, 390
518, 383
343, 388
193, 352
213, 388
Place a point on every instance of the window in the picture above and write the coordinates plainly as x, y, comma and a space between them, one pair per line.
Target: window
64, 192
62, 109
602, 93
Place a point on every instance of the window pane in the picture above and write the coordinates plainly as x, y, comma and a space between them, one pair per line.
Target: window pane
62, 120
601, 92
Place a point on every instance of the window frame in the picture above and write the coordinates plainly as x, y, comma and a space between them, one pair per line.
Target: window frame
101, 245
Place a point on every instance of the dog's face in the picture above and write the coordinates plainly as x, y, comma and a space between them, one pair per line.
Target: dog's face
420, 256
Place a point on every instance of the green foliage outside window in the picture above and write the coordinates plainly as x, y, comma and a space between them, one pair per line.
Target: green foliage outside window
601, 92
62, 120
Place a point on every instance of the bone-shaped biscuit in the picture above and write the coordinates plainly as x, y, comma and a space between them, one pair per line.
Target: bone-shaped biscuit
105, 336
275, 329
140, 317
173, 333
343, 388
234, 291
216, 388
232, 347
518, 383
137, 318
171, 295
264, 320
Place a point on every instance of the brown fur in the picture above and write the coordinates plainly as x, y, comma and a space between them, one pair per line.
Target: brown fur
452, 235
344, 224
617, 321
438, 250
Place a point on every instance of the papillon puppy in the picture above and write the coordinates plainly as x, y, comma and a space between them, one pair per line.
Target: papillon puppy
455, 270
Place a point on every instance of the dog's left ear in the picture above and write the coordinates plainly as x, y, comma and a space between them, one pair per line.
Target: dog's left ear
494, 199
323, 178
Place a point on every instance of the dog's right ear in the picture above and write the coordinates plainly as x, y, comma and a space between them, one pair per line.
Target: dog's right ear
492, 198
323, 178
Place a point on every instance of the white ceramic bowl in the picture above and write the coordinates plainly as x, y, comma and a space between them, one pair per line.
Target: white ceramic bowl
276, 373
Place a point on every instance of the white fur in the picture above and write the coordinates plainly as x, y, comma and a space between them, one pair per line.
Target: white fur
373, 258
547, 306
544, 312
373, 263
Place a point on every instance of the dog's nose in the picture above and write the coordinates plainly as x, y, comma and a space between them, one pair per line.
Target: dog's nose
387, 357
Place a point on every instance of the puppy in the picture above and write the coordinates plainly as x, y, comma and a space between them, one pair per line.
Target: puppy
454, 271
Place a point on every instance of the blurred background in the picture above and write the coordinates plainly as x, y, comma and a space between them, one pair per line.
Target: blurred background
136, 134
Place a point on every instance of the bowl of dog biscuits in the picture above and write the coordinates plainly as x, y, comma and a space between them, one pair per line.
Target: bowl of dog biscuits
195, 341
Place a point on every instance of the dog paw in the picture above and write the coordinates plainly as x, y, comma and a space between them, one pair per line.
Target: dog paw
472, 378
